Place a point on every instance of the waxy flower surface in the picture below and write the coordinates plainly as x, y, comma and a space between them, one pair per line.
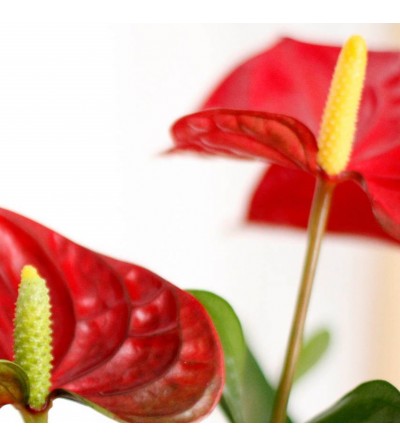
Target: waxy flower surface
270, 109
124, 340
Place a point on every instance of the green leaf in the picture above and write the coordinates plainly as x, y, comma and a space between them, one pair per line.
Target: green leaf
235, 352
14, 384
258, 395
312, 351
248, 396
376, 401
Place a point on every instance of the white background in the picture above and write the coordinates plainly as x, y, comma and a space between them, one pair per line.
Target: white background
84, 114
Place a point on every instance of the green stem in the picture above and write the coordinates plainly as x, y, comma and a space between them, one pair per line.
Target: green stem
316, 228
34, 417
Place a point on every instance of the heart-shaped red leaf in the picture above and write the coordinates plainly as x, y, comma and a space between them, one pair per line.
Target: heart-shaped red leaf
124, 338
293, 78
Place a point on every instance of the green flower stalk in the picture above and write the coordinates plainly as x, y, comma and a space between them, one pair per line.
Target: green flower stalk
335, 144
33, 335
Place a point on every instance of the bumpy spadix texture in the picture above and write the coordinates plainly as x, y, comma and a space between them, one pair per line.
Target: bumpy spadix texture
32, 335
339, 120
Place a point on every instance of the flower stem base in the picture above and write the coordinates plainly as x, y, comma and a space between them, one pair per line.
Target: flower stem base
30, 416
316, 228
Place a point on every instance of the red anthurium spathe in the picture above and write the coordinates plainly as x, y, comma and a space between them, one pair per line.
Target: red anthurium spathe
247, 116
124, 340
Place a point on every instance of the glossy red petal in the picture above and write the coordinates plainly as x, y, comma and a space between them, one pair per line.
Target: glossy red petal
247, 135
380, 177
20, 246
187, 391
293, 78
89, 302
284, 196
119, 329
377, 135
384, 196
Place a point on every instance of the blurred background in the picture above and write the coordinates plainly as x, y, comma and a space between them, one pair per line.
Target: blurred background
85, 112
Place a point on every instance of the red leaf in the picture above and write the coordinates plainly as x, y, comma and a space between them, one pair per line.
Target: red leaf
124, 338
248, 135
293, 78
384, 194
284, 197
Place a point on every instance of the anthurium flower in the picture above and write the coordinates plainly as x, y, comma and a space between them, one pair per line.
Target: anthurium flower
124, 340
270, 109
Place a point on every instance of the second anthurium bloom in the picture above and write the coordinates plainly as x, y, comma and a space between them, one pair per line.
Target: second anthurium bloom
103, 332
270, 108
